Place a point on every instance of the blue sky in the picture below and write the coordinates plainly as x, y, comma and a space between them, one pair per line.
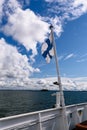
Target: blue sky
24, 26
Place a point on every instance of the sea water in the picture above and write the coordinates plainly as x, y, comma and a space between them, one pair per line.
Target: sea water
19, 102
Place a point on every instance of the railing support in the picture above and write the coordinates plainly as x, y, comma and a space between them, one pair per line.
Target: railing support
40, 125
75, 118
57, 99
84, 116
51, 119
62, 121
57, 94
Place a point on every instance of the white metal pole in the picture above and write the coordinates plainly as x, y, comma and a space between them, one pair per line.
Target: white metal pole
40, 124
64, 121
62, 103
64, 125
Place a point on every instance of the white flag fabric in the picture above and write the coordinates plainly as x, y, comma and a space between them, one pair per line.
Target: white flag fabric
47, 49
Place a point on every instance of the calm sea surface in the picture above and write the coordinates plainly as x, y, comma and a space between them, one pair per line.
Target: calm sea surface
17, 102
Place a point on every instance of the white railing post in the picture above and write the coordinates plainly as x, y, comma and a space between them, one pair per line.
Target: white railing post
57, 94
65, 120
62, 120
57, 99
74, 118
84, 115
40, 125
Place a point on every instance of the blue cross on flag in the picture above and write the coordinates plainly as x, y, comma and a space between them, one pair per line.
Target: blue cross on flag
47, 49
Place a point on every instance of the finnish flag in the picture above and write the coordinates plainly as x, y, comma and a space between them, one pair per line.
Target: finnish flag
47, 49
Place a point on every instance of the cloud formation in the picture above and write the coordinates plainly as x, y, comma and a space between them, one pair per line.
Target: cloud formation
25, 27
82, 58
69, 56
1, 9
68, 9
14, 67
68, 84
28, 28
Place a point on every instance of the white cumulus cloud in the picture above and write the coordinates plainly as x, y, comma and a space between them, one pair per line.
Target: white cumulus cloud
67, 9
29, 29
24, 26
14, 67
1, 9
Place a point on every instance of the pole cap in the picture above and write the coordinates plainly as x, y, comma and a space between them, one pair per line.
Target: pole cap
51, 26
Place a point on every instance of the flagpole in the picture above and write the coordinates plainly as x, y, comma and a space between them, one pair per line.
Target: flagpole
62, 103
63, 121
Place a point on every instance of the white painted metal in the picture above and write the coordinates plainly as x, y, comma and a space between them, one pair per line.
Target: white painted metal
40, 125
51, 119
64, 125
62, 103
75, 118
57, 99
84, 117
57, 94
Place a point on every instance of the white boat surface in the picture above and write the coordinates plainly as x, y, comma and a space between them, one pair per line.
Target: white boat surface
50, 119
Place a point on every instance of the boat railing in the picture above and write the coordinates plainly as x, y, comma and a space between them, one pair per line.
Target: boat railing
76, 113
50, 119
